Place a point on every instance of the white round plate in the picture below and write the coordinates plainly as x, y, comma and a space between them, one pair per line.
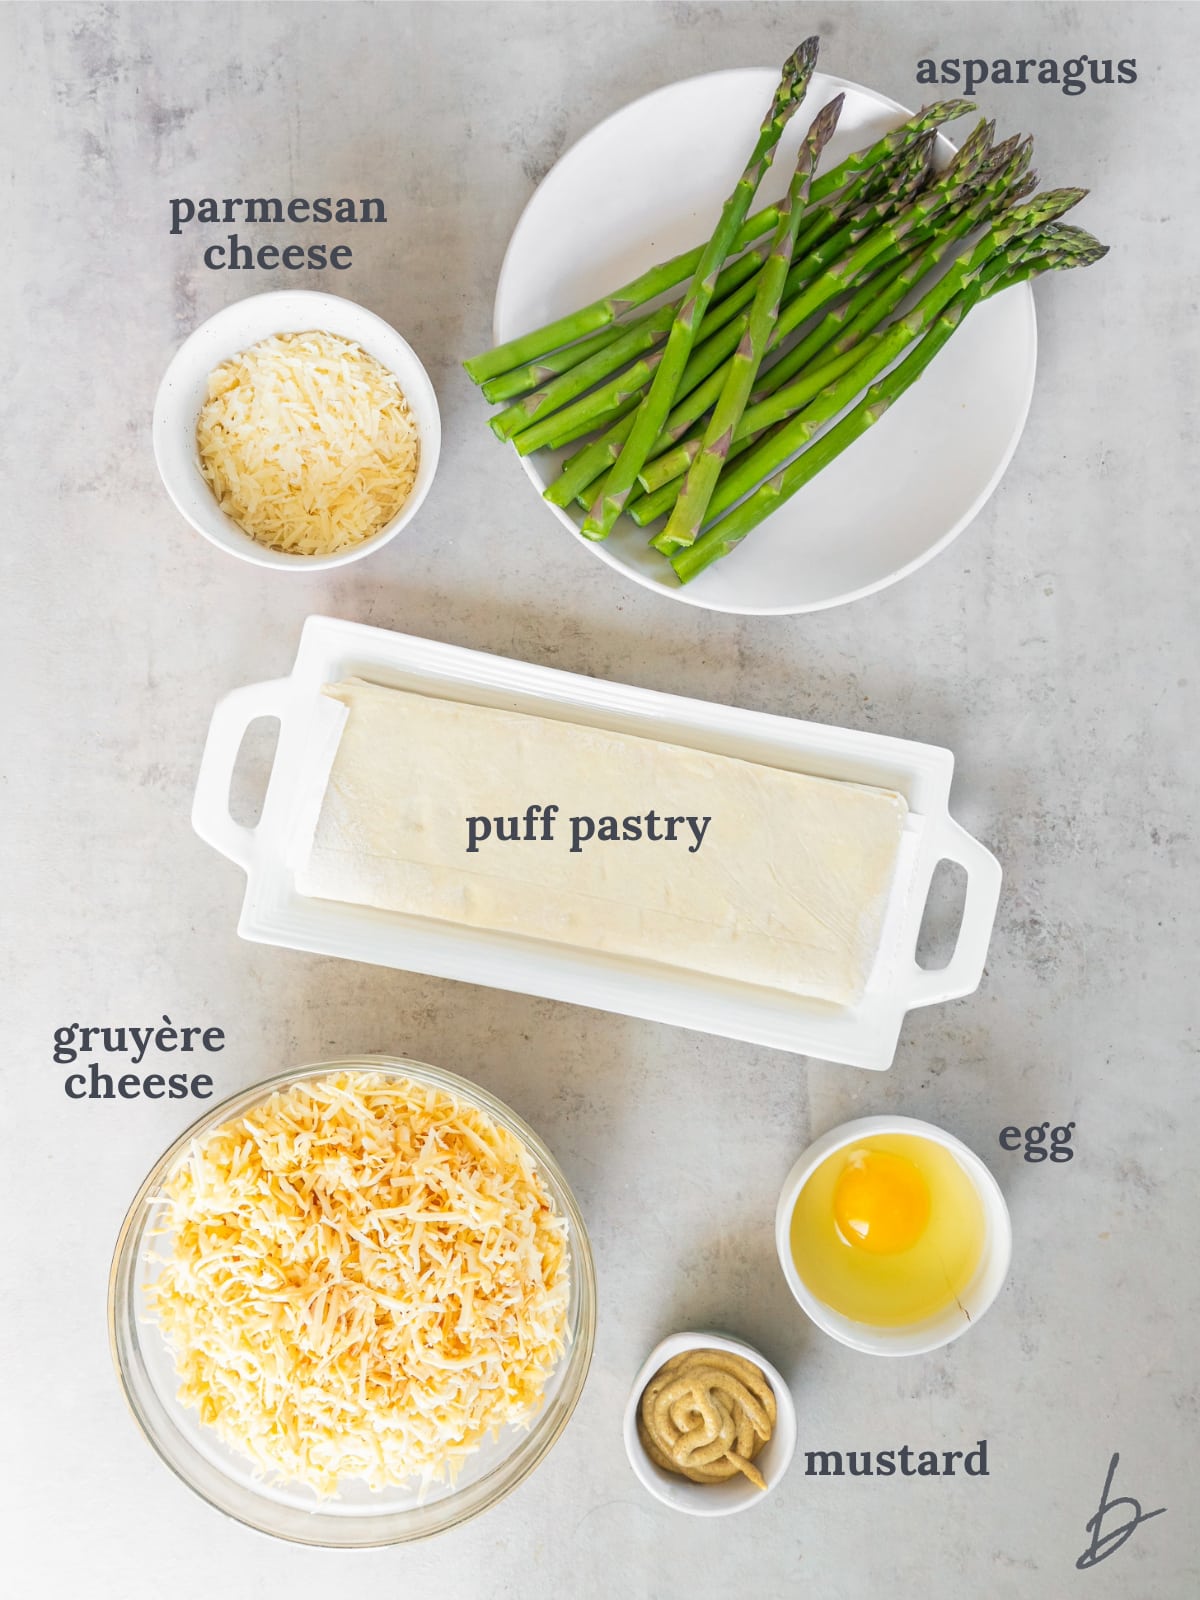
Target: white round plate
648, 183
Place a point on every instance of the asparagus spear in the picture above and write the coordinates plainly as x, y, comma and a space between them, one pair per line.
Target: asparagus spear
631, 343
996, 254
688, 515
776, 398
668, 466
865, 225
1008, 184
949, 194
656, 503
876, 192
909, 172
658, 279
843, 327
732, 292
638, 292
588, 412
805, 269
996, 172
661, 476
711, 353
1021, 222
609, 417
510, 385
848, 254
587, 465
666, 471
545, 432
726, 534
891, 172
652, 414
757, 422
926, 121
675, 462
586, 468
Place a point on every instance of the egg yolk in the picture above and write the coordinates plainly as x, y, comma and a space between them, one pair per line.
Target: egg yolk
880, 1202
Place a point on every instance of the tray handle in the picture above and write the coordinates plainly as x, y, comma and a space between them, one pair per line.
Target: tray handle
962, 973
210, 805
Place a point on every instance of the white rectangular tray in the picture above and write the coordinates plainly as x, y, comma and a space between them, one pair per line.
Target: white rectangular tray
273, 912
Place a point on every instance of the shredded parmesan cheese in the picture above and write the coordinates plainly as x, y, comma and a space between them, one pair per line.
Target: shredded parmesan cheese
307, 442
365, 1278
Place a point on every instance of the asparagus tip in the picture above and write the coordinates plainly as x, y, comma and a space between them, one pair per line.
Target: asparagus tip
1083, 247
948, 110
794, 76
803, 59
826, 120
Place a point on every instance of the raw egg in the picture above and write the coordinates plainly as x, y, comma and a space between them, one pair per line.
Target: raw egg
889, 1230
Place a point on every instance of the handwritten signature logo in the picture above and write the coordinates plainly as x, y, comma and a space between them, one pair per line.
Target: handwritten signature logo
1103, 1544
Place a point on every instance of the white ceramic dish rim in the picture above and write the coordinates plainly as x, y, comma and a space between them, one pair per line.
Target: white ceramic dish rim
689, 596
717, 1499
936, 1332
202, 350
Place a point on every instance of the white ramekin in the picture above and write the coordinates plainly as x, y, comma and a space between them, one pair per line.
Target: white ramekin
735, 1494
185, 386
932, 1332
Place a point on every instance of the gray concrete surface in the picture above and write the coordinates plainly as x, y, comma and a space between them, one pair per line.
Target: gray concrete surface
1052, 648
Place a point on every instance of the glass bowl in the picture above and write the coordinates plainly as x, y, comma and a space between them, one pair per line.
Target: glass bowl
357, 1516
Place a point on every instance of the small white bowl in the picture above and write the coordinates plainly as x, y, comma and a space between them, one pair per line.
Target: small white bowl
735, 1494
933, 1332
184, 389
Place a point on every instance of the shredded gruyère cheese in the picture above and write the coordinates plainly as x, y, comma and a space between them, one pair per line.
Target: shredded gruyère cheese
307, 442
366, 1277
